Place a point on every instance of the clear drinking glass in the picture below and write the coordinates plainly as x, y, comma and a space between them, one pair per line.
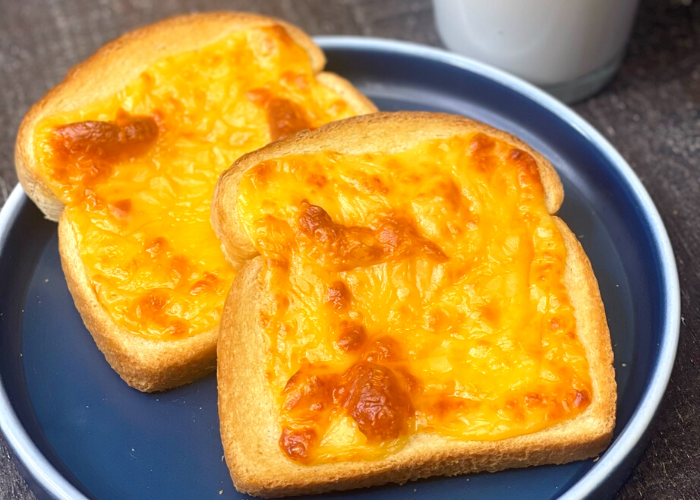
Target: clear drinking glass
570, 48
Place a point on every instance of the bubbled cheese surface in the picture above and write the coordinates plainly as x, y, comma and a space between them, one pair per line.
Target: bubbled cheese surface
137, 171
412, 292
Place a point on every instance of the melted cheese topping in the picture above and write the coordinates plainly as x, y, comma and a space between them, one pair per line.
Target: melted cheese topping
137, 171
412, 292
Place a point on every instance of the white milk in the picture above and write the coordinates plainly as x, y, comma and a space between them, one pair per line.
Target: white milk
551, 43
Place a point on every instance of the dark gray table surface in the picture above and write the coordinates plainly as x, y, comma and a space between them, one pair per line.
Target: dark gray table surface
651, 113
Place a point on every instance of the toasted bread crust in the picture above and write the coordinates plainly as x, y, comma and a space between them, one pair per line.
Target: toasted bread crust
117, 63
144, 364
148, 365
385, 132
249, 425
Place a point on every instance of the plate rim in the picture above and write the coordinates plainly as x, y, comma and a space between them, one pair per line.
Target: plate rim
59, 487
18, 439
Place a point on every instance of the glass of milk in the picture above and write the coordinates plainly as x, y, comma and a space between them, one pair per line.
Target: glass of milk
570, 48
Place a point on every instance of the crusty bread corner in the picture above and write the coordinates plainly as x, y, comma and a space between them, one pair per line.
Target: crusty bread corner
248, 416
146, 365
119, 62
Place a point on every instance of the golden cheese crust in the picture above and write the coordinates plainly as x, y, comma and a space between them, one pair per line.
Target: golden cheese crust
148, 365
124, 59
145, 364
247, 408
386, 132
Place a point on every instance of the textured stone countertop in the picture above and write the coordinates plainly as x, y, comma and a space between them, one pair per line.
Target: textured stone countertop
650, 113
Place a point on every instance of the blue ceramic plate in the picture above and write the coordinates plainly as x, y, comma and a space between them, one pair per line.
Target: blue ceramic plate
79, 432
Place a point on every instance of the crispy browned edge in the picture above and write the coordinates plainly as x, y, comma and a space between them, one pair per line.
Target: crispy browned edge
147, 365
144, 364
249, 425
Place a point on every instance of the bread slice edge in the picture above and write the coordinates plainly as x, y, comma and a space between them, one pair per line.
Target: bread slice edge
249, 425
377, 132
145, 364
250, 430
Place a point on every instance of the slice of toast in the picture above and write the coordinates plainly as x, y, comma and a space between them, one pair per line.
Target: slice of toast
248, 409
145, 363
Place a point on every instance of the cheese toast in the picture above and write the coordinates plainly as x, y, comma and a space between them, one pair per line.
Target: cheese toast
407, 305
125, 153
